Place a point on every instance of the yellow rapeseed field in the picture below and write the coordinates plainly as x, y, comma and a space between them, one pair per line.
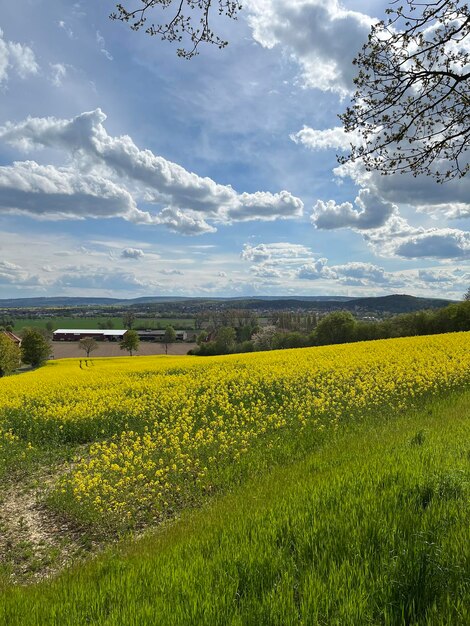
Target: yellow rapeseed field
158, 430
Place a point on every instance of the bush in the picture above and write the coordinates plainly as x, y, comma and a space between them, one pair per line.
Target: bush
206, 349
9, 355
337, 327
290, 340
35, 348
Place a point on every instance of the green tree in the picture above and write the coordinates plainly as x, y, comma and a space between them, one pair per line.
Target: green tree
225, 339
289, 340
244, 333
455, 317
201, 338
411, 105
35, 348
6, 321
169, 337
207, 349
89, 344
130, 342
10, 355
128, 320
337, 327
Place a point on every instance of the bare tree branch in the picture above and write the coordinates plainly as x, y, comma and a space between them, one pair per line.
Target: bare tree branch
190, 20
411, 104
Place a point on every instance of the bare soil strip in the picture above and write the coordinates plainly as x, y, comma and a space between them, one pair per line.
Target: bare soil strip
70, 349
34, 544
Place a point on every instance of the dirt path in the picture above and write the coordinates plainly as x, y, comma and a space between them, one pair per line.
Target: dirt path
34, 544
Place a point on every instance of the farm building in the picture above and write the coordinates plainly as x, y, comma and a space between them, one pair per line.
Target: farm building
157, 335
12, 336
75, 334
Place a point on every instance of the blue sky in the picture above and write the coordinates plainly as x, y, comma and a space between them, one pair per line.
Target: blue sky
126, 171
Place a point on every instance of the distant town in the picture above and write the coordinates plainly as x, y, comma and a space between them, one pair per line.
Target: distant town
195, 313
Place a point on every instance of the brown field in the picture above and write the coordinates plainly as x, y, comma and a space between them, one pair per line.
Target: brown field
70, 349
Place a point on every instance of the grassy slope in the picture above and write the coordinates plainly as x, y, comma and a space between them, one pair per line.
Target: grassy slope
371, 529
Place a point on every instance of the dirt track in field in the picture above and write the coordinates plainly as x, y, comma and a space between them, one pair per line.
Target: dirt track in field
70, 349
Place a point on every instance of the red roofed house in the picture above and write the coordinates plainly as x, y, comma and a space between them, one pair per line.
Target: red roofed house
12, 336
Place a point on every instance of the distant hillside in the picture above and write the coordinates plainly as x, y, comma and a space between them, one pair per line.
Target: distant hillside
55, 302
59, 301
396, 303
67, 301
392, 304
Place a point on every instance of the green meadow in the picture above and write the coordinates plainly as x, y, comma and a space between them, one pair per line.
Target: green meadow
371, 527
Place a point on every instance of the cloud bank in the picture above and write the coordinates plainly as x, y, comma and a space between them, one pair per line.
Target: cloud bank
189, 201
16, 59
330, 138
371, 212
294, 264
320, 35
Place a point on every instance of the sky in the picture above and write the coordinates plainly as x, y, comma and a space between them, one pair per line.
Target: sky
127, 171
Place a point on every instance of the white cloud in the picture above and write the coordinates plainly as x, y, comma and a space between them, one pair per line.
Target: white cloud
17, 58
450, 210
448, 283
57, 74
101, 279
4, 59
132, 253
282, 253
445, 277
450, 200
66, 28
168, 272
316, 270
354, 273
265, 271
102, 45
379, 220
184, 222
371, 212
398, 238
276, 260
320, 35
363, 271
294, 262
13, 274
265, 206
190, 200
444, 243
331, 138
50, 193
22, 59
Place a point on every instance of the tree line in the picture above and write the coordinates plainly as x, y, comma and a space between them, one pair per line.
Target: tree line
289, 330
334, 328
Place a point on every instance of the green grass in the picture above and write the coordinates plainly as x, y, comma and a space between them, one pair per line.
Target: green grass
371, 528
92, 322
